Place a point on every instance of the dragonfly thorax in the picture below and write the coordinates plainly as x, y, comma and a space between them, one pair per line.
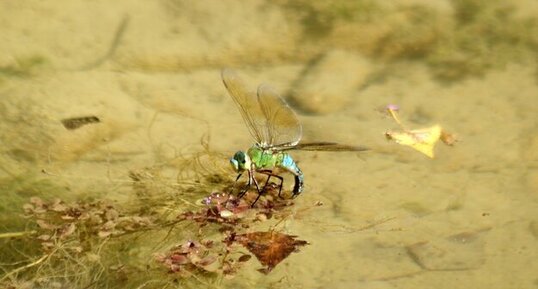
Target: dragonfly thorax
240, 161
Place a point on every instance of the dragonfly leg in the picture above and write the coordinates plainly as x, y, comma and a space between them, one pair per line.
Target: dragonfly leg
257, 188
256, 184
258, 197
238, 176
270, 174
237, 179
249, 182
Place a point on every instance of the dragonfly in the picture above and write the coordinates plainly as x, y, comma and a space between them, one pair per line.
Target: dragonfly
276, 129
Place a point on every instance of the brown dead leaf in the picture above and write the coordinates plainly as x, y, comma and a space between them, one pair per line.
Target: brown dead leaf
111, 214
68, 230
104, 234
270, 248
44, 237
58, 206
36, 201
45, 225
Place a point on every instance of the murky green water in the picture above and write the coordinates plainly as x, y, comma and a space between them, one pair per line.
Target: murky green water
165, 127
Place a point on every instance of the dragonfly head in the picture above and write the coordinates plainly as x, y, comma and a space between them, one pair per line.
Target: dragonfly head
240, 161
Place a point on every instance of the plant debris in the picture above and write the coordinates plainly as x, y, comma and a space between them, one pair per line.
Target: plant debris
232, 216
77, 122
58, 221
189, 257
224, 208
270, 248
70, 242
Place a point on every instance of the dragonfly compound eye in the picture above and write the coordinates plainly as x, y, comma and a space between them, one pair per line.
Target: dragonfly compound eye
234, 164
239, 157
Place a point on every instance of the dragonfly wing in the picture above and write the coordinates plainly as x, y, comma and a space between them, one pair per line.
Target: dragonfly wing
326, 146
283, 128
248, 105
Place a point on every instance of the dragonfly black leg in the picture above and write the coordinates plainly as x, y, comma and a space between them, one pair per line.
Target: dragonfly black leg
245, 189
237, 179
270, 174
238, 176
257, 198
258, 189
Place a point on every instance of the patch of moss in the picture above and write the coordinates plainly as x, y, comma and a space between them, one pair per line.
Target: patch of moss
478, 35
416, 208
319, 18
15, 192
486, 35
418, 33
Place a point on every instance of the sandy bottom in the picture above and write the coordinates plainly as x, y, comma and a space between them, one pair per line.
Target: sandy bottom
392, 218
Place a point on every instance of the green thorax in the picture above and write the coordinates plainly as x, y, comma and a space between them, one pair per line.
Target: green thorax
265, 159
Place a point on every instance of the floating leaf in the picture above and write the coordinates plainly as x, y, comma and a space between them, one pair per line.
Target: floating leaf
422, 140
270, 248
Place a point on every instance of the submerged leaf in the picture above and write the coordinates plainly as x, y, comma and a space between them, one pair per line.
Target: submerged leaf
104, 234
45, 225
68, 230
244, 258
270, 248
190, 257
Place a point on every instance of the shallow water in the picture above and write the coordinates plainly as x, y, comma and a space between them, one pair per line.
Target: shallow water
391, 217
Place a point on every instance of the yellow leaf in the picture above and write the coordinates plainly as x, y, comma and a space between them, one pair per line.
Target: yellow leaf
422, 140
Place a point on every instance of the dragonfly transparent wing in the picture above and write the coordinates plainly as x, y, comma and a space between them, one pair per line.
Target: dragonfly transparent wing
248, 105
282, 128
329, 147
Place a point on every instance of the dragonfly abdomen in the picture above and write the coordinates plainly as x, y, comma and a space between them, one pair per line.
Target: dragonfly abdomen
286, 162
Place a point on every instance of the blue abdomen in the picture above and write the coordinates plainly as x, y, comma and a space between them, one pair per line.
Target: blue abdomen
287, 163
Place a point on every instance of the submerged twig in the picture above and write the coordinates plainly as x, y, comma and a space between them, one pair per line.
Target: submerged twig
16, 234
120, 31
32, 264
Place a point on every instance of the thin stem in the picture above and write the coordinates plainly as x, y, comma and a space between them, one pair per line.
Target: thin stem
16, 234
36, 262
